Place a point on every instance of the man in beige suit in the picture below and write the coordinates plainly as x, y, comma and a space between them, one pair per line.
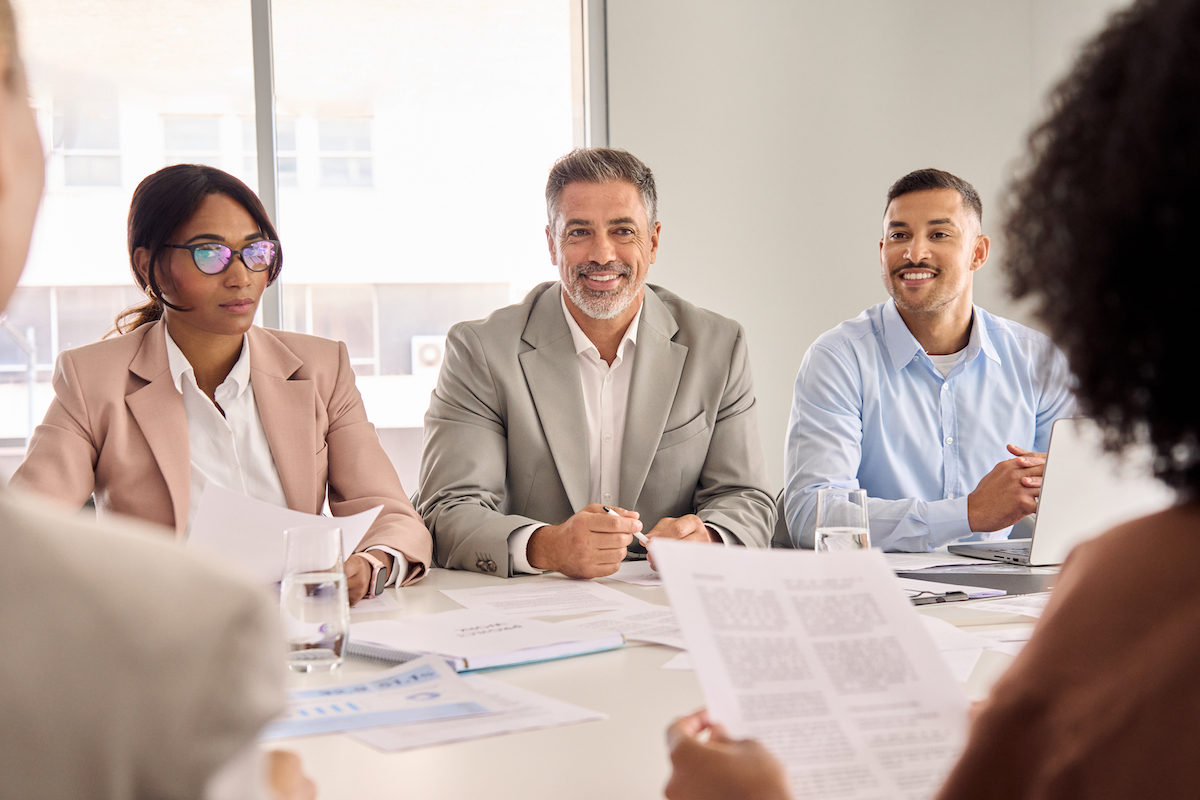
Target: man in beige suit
131, 668
598, 408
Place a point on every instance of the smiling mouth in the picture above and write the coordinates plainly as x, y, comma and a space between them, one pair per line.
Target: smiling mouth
602, 278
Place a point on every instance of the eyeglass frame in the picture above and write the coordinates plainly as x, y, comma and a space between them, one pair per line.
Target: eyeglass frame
232, 252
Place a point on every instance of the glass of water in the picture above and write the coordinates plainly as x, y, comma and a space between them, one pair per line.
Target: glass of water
313, 601
842, 520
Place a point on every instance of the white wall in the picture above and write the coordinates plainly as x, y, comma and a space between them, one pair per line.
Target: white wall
775, 129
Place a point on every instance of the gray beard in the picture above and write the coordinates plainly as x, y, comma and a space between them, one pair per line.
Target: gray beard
602, 305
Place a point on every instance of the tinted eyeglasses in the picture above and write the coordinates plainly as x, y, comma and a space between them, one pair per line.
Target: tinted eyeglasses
212, 258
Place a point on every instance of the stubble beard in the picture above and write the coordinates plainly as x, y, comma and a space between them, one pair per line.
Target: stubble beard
603, 304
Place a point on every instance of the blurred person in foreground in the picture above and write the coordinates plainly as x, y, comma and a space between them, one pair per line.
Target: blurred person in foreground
1103, 701
111, 687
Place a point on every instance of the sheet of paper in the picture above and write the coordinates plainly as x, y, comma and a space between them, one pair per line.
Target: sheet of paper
962, 662
960, 649
1027, 605
467, 633
656, 624
518, 710
422, 690
557, 597
388, 601
250, 532
820, 657
916, 587
912, 562
638, 573
681, 661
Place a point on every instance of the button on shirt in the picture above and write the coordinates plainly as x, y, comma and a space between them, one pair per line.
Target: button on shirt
871, 410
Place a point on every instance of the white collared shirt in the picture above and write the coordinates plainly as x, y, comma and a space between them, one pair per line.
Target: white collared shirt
232, 449
605, 399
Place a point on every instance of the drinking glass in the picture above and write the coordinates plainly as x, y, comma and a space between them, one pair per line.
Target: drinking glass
313, 601
842, 520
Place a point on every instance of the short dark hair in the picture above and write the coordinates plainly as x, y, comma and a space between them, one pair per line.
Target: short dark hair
925, 179
1101, 232
600, 165
166, 200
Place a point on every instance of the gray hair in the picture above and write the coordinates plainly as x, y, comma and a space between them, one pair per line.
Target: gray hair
600, 165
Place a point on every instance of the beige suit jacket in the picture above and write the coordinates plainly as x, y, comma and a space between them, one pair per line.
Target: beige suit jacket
505, 439
132, 668
117, 429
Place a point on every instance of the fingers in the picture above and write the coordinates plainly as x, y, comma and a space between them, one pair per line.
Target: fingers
357, 576
688, 727
603, 522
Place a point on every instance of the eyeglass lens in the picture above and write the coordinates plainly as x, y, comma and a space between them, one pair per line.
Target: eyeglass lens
213, 258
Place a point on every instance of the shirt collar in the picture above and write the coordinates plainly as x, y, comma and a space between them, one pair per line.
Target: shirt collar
902, 346
180, 366
583, 344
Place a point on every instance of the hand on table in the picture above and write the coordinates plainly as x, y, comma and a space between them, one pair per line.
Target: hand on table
286, 779
590, 544
688, 528
720, 768
1007, 493
358, 574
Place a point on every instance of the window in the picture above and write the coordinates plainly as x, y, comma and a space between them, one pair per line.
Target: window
193, 140
86, 137
345, 152
412, 146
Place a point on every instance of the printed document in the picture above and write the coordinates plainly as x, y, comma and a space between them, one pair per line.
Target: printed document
472, 640
1026, 605
249, 532
560, 596
518, 710
654, 624
637, 573
418, 691
820, 657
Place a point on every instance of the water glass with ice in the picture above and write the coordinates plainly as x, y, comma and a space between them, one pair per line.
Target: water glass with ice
313, 601
842, 522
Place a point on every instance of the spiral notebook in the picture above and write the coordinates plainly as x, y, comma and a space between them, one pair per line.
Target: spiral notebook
472, 640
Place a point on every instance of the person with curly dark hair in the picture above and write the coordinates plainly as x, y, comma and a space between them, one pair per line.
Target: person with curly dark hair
1103, 701
939, 410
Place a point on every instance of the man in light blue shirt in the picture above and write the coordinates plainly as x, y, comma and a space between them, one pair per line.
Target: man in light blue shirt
941, 411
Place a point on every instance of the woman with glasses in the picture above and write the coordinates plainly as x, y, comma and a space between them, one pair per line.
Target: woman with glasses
190, 391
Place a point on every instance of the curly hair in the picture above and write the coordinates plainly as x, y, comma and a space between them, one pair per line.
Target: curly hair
1099, 232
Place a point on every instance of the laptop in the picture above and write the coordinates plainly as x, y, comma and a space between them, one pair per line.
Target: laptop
1085, 491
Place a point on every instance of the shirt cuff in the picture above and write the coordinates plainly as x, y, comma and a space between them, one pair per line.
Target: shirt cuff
399, 568
518, 544
947, 521
726, 537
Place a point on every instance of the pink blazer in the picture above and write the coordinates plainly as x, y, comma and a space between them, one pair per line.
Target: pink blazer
117, 429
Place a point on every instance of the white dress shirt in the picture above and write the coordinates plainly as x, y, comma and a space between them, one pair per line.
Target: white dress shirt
605, 400
231, 449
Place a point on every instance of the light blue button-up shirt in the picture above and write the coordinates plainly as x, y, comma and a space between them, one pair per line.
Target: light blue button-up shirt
871, 411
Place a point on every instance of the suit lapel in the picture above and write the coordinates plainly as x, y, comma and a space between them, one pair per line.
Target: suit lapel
657, 367
288, 412
552, 373
158, 409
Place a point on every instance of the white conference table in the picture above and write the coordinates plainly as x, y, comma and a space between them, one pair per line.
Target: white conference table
623, 756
